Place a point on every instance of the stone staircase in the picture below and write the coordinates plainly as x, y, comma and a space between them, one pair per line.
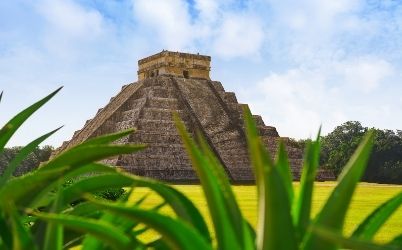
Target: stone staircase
165, 157
223, 134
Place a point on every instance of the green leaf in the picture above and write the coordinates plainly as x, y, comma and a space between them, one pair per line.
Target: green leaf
72, 158
12, 126
125, 225
179, 235
249, 235
22, 154
105, 139
103, 231
284, 170
302, 206
22, 239
397, 242
370, 226
18, 188
235, 216
54, 232
43, 197
95, 183
74, 242
275, 226
84, 209
181, 205
349, 243
332, 215
228, 234
159, 244
5, 232
82, 155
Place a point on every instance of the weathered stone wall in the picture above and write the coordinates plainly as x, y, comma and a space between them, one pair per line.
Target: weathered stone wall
174, 64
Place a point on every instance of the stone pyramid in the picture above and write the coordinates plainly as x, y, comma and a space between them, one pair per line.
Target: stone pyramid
168, 82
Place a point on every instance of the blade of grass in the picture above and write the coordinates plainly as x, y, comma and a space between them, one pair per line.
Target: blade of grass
159, 244
105, 139
234, 212
178, 234
93, 184
180, 204
125, 225
248, 235
17, 188
91, 242
397, 242
72, 158
350, 243
82, 155
224, 230
284, 170
103, 231
71, 244
275, 228
332, 215
54, 232
43, 197
302, 206
22, 154
22, 239
370, 226
84, 209
5, 232
11, 127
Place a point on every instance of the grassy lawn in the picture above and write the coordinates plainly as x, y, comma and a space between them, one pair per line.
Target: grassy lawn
366, 199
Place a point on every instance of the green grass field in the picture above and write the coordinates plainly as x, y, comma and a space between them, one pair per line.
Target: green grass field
367, 197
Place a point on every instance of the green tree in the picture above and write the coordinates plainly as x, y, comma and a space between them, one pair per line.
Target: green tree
385, 164
32, 161
339, 145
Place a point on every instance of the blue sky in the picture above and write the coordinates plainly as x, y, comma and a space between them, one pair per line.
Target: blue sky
297, 63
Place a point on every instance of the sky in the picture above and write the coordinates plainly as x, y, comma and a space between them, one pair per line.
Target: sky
299, 64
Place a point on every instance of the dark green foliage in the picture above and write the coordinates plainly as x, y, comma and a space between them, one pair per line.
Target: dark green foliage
339, 145
112, 194
31, 162
385, 164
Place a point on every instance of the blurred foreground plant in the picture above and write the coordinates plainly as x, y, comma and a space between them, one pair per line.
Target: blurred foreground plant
36, 210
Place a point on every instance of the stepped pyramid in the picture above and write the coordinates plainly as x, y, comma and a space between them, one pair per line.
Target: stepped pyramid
180, 82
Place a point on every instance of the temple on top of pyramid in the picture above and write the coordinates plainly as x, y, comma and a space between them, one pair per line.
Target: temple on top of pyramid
179, 82
175, 64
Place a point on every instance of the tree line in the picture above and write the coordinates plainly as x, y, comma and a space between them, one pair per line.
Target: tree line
385, 164
32, 161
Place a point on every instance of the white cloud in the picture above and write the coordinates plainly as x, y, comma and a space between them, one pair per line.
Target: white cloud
70, 19
69, 29
239, 36
225, 33
168, 18
298, 100
364, 73
208, 10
